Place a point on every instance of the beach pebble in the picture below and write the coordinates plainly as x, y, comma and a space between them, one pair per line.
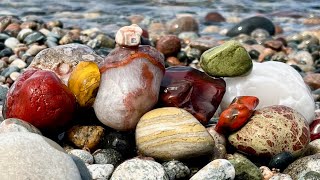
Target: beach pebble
214, 17
19, 63
315, 130
17, 125
84, 171
11, 43
218, 138
291, 90
281, 176
176, 170
85, 156
35, 49
23, 34
266, 172
276, 129
302, 166
107, 156
100, 171
281, 160
139, 169
228, 60
129, 35
32, 156
313, 147
244, 168
122, 143
183, 24
169, 45
34, 37
217, 169
172, 133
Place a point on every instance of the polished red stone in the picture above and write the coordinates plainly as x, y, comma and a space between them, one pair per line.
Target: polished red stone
315, 130
237, 114
40, 98
192, 90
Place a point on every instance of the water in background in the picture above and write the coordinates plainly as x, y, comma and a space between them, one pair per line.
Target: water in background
104, 14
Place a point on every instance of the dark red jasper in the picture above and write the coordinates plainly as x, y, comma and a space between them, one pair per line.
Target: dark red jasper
237, 114
192, 90
315, 130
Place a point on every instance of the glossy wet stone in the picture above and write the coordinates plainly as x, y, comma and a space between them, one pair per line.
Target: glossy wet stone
237, 114
315, 130
281, 160
246, 26
192, 90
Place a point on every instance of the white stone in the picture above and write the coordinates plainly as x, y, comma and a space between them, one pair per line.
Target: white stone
100, 171
14, 76
216, 169
31, 156
139, 169
19, 63
129, 35
274, 83
83, 155
11, 42
17, 125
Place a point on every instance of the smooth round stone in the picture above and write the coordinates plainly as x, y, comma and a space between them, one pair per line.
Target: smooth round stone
176, 170
139, 169
107, 156
220, 151
248, 25
280, 176
315, 129
120, 142
17, 125
203, 43
313, 147
311, 175
86, 136
32, 156
35, 49
3, 92
227, 60
19, 63
6, 52
302, 166
188, 36
7, 71
100, 171
218, 138
84, 171
291, 90
34, 37
63, 59
83, 155
24, 33
129, 35
183, 24
244, 168
303, 59
214, 17
169, 45
217, 169
272, 130
172, 133
281, 160
11, 42
14, 76
260, 34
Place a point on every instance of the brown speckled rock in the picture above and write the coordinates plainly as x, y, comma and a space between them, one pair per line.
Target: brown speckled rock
272, 130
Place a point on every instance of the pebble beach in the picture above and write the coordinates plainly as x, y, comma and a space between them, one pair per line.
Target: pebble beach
168, 90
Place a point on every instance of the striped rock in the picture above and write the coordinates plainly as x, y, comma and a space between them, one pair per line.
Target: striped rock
172, 133
272, 130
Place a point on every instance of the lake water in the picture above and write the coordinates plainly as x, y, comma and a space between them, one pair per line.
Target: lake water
106, 13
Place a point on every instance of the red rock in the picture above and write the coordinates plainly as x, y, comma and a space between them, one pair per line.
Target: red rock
192, 90
315, 130
169, 45
13, 29
237, 114
212, 17
40, 98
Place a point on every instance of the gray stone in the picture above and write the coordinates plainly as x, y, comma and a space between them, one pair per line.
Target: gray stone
34, 37
7, 71
176, 170
311, 175
107, 156
17, 125
280, 176
216, 170
302, 166
3, 93
63, 59
83, 155
101, 171
32, 156
139, 169
84, 171
24, 33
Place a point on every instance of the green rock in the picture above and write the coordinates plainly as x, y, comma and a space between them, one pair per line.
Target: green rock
245, 169
227, 60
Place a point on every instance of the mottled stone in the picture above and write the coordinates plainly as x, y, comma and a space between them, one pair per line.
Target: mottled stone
204, 43
313, 147
272, 130
32, 156
244, 168
100, 171
139, 169
216, 170
17, 125
218, 138
291, 91
302, 166
311, 175
176, 170
172, 133
192, 90
315, 130
280, 176
107, 156
83, 155
227, 60
129, 35
63, 59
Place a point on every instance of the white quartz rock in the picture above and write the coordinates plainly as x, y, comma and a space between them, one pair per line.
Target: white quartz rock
274, 83
129, 35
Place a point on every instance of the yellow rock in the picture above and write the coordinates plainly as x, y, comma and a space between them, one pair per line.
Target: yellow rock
172, 133
84, 82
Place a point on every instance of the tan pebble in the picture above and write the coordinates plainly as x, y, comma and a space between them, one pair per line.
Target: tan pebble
266, 172
129, 35
14, 76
